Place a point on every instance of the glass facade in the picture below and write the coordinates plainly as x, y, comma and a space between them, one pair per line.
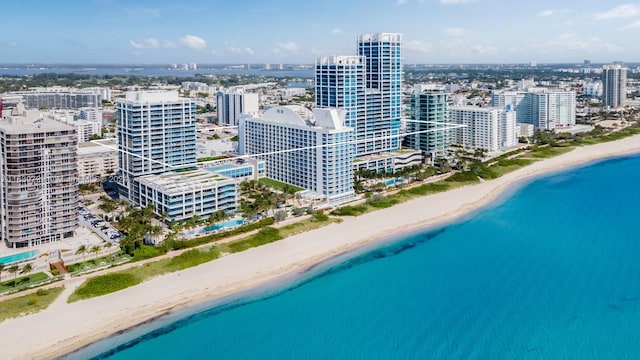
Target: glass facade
154, 136
369, 87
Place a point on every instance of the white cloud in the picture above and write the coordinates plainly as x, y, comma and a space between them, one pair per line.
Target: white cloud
455, 31
415, 46
193, 42
455, 2
631, 26
546, 12
619, 12
401, 2
288, 46
237, 50
336, 31
482, 50
574, 43
149, 43
168, 44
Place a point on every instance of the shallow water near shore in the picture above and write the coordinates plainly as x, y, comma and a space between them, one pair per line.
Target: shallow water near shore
551, 272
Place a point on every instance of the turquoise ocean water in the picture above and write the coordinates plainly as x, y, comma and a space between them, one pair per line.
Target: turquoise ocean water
550, 272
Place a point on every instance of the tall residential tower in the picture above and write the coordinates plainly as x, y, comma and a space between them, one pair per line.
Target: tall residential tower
614, 86
38, 179
156, 133
427, 129
369, 87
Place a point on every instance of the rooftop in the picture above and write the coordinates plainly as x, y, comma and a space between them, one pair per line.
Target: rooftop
29, 121
97, 147
152, 96
184, 181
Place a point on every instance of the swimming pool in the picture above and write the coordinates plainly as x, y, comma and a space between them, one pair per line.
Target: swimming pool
391, 182
18, 257
223, 225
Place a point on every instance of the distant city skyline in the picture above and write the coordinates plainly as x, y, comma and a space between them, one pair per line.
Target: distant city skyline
281, 31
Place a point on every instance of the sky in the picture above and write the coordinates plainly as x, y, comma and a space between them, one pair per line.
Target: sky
283, 31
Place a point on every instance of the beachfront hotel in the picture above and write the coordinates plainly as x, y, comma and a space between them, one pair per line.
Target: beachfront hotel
545, 109
156, 134
428, 128
489, 129
368, 86
312, 150
38, 187
614, 86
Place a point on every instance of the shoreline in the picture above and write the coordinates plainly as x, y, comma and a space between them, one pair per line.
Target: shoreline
84, 322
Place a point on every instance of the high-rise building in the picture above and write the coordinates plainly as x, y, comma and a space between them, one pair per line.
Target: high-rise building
340, 83
544, 108
614, 86
489, 129
369, 87
427, 129
314, 151
156, 133
231, 104
38, 188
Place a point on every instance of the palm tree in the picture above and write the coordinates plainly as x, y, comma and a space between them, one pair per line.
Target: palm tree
95, 250
107, 245
14, 270
28, 268
1, 269
82, 250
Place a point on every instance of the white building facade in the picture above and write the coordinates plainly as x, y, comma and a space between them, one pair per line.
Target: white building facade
231, 104
490, 129
545, 109
314, 151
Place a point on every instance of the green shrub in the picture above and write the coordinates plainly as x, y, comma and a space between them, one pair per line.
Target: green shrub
264, 236
319, 216
353, 210
42, 292
463, 176
104, 284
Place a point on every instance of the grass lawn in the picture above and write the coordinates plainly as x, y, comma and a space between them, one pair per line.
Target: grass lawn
28, 304
22, 280
277, 184
315, 222
108, 283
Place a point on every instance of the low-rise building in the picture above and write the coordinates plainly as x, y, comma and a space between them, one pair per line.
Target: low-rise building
181, 195
97, 160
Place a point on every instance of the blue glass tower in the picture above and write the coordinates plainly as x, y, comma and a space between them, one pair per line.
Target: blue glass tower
156, 133
383, 72
369, 87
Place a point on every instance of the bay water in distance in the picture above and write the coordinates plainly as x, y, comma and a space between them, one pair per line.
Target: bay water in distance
550, 272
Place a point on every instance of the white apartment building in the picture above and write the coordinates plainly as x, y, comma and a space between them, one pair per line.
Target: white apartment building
593, 89
230, 105
38, 179
84, 128
489, 129
181, 195
544, 108
97, 160
314, 151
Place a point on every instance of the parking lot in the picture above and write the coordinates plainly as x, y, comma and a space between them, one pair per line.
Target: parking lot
103, 228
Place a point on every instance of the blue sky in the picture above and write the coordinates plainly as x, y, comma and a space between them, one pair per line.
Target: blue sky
282, 31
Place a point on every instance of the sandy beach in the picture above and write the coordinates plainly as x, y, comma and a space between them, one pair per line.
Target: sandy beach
64, 327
